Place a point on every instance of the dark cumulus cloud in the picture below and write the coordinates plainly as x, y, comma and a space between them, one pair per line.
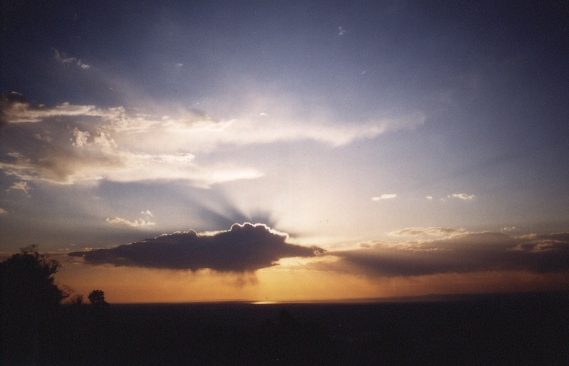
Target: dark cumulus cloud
472, 252
243, 248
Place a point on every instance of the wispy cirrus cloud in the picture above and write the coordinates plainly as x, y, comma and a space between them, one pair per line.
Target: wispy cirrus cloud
98, 159
205, 131
433, 231
65, 59
21, 186
23, 112
70, 144
84, 143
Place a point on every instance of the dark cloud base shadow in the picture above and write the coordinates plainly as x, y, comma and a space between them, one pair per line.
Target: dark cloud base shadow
474, 252
243, 248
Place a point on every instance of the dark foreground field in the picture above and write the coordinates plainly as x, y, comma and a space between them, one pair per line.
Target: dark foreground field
478, 330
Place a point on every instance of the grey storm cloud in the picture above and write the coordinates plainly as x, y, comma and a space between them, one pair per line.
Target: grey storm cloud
471, 252
243, 248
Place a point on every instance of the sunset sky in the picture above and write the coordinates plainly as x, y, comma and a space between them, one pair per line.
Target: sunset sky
382, 148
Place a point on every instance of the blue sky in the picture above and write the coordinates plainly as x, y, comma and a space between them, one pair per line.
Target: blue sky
336, 122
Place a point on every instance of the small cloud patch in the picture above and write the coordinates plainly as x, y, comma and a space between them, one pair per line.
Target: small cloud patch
137, 223
462, 196
21, 186
65, 59
385, 196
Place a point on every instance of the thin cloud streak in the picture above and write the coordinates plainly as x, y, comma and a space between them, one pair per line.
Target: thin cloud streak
434, 231
62, 58
208, 133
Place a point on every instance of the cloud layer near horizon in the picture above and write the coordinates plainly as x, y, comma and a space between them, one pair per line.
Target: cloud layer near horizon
250, 247
470, 252
243, 248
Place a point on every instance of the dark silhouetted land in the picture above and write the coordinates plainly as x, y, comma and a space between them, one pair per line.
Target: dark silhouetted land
526, 329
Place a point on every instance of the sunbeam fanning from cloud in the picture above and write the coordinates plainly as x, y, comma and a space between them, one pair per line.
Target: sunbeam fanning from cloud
404, 147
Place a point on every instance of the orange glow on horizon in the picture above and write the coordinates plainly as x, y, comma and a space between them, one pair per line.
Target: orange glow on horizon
281, 284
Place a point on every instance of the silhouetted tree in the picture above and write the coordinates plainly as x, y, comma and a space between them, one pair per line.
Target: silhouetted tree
27, 280
29, 300
97, 298
75, 300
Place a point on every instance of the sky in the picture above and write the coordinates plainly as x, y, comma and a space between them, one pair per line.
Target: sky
287, 150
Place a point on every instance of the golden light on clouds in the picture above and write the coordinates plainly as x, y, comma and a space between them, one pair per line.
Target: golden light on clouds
292, 280
242, 264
